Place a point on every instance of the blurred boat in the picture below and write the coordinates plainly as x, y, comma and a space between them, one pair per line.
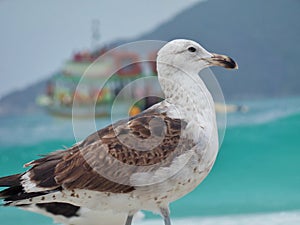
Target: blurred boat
88, 85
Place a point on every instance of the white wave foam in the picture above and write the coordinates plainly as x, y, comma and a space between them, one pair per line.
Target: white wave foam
265, 111
280, 218
31, 129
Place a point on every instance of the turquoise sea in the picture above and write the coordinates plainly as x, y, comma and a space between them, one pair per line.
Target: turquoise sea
256, 178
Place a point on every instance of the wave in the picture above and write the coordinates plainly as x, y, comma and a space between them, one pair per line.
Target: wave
34, 128
29, 129
265, 111
280, 218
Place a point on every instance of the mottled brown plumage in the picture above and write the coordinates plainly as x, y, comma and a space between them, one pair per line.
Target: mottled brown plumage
127, 142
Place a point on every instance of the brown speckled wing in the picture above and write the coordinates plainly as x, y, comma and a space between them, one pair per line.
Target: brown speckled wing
144, 142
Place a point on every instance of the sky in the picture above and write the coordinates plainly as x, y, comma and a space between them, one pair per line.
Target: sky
38, 36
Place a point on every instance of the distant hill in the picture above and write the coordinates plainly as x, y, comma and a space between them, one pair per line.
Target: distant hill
22, 101
262, 36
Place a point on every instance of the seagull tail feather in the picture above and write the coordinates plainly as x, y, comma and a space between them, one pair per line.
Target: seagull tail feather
10, 181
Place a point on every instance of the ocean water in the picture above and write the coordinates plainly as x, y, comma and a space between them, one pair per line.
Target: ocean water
255, 180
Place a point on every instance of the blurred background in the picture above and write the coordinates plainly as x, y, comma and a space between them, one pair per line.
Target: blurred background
46, 46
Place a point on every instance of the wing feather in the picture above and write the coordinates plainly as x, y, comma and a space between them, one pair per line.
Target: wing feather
148, 140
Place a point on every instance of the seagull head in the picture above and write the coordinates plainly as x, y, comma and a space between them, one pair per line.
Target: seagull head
191, 57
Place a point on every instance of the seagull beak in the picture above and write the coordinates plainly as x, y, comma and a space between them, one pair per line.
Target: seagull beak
222, 60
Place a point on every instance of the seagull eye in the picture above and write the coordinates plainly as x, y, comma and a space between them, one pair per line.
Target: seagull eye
191, 49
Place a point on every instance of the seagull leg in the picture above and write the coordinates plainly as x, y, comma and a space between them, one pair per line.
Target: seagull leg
165, 212
129, 219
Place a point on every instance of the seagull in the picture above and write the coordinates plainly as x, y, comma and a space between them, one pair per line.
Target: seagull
144, 162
